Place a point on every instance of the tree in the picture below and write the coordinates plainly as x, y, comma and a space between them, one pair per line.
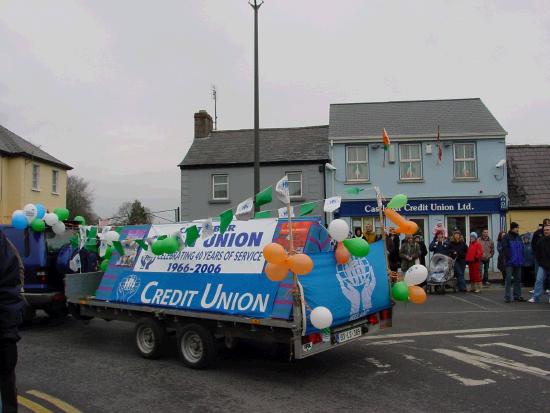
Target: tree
80, 198
133, 213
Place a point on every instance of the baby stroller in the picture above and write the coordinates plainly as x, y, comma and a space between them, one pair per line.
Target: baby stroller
440, 274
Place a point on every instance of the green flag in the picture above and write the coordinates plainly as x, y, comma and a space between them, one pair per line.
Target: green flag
191, 235
264, 197
118, 247
225, 219
262, 214
354, 190
142, 244
307, 208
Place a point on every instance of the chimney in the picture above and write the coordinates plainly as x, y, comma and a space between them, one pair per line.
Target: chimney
203, 124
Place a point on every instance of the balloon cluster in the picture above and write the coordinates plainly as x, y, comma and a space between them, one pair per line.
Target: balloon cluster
404, 226
358, 247
36, 217
408, 289
279, 263
109, 237
166, 245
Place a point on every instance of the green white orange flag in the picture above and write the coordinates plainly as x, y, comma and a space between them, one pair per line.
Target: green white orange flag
386, 139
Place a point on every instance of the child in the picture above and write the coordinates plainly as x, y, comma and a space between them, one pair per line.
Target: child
439, 228
473, 259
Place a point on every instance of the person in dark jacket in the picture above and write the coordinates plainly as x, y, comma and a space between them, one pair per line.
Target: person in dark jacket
501, 265
458, 249
542, 254
408, 253
440, 245
392, 245
11, 310
512, 249
538, 234
423, 250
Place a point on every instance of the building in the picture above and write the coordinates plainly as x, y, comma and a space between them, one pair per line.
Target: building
28, 175
217, 172
528, 185
466, 188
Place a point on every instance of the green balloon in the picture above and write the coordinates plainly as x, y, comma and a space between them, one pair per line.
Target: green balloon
62, 213
108, 253
80, 219
104, 264
357, 247
400, 291
398, 201
38, 225
171, 245
158, 247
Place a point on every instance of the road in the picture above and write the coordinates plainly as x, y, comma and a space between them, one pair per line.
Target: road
456, 353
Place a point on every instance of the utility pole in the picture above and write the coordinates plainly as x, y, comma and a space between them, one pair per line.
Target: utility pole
256, 7
215, 97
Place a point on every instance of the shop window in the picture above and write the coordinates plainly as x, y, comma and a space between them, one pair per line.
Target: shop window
465, 165
468, 224
294, 184
362, 222
410, 161
357, 163
220, 187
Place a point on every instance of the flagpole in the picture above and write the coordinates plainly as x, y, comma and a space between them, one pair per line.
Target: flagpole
381, 217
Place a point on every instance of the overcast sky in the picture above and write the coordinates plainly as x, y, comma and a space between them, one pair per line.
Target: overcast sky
110, 87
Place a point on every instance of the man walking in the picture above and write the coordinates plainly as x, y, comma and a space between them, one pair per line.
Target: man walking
11, 308
538, 234
542, 254
512, 248
488, 251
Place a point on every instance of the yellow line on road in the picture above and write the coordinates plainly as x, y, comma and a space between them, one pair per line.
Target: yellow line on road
29, 404
66, 407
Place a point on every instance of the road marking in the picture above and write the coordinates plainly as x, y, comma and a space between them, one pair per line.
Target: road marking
474, 361
463, 380
483, 335
449, 332
469, 302
389, 342
491, 301
29, 404
66, 407
527, 352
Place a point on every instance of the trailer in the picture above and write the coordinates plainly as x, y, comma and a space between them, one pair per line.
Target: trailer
206, 298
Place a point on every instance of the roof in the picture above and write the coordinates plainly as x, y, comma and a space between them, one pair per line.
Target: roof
14, 145
528, 176
413, 118
236, 147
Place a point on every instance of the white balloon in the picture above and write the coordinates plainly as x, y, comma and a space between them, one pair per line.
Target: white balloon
19, 211
51, 219
338, 229
58, 228
30, 212
415, 275
111, 236
321, 317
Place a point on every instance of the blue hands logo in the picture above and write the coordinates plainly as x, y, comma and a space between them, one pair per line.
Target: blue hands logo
146, 262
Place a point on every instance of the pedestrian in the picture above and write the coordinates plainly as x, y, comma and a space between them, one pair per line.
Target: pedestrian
536, 236
11, 310
408, 253
392, 245
423, 250
458, 250
358, 233
528, 272
488, 251
369, 235
501, 264
542, 254
512, 248
473, 259
440, 245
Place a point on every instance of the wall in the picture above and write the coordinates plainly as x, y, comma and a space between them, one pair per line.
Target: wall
17, 186
196, 188
528, 220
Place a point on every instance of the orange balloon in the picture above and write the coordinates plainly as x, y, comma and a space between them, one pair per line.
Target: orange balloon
404, 226
410, 228
300, 264
417, 294
276, 272
342, 254
275, 253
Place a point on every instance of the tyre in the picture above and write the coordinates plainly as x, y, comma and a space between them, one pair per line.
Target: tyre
74, 311
150, 337
196, 346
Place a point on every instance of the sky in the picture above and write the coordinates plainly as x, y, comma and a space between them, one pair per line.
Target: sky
110, 87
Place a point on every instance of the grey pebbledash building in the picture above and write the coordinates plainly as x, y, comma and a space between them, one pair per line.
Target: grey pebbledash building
217, 172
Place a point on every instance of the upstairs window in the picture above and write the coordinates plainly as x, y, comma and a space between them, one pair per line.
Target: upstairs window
410, 161
294, 184
220, 187
357, 163
36, 177
465, 164
55, 181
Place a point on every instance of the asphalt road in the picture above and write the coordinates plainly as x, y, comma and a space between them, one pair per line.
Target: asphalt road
456, 353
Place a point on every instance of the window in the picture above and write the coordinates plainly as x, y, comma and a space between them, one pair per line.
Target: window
55, 181
294, 184
35, 177
357, 163
410, 161
220, 187
465, 161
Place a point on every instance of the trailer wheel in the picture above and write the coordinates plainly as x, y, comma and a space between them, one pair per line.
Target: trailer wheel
150, 338
196, 346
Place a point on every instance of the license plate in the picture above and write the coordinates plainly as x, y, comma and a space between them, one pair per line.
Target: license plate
348, 335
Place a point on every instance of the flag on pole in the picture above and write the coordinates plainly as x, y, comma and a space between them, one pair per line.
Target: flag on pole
207, 229
439, 149
191, 235
385, 139
118, 247
75, 264
143, 244
282, 190
265, 196
354, 191
262, 215
283, 212
332, 204
225, 219
244, 210
307, 208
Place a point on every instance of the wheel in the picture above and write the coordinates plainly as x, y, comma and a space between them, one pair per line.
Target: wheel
74, 311
231, 343
57, 310
196, 346
150, 338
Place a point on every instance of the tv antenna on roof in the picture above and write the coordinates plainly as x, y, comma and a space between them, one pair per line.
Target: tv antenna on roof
215, 97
